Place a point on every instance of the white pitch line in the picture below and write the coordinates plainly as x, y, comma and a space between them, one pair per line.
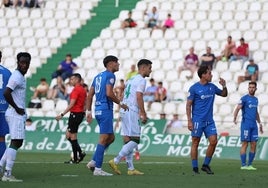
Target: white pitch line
146, 163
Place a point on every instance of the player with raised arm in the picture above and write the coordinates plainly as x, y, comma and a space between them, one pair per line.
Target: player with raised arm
199, 110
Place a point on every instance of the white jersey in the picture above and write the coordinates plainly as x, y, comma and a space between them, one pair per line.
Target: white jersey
17, 83
134, 85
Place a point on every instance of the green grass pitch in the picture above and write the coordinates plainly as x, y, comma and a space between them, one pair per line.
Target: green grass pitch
48, 170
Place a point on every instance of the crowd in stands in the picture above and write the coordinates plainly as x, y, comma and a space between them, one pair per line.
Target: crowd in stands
22, 3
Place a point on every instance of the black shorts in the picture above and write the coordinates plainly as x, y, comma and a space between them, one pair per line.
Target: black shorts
75, 119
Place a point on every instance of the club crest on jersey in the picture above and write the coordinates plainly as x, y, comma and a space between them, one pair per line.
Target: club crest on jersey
112, 80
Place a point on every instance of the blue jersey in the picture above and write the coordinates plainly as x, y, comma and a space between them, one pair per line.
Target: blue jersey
203, 98
249, 108
4, 77
99, 83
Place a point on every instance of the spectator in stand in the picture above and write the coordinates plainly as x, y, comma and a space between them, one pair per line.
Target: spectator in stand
152, 18
169, 23
128, 22
252, 73
41, 90
229, 50
21, 3
163, 116
208, 58
161, 93
174, 123
66, 68
132, 72
242, 52
58, 91
119, 91
149, 94
190, 63
29, 126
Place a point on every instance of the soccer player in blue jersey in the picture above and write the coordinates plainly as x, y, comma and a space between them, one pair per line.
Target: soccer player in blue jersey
4, 76
199, 110
102, 88
248, 129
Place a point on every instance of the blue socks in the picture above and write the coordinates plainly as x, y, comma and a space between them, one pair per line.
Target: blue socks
98, 155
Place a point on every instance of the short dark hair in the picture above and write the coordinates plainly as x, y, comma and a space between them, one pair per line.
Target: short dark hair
253, 83
77, 75
144, 62
24, 56
151, 80
108, 59
43, 79
202, 70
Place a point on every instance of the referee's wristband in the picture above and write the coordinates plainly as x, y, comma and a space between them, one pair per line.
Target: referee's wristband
88, 112
61, 114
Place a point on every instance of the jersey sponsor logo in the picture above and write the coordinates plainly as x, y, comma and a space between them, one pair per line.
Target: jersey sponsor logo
112, 80
206, 96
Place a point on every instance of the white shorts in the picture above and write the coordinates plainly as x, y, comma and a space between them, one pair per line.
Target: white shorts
130, 123
16, 127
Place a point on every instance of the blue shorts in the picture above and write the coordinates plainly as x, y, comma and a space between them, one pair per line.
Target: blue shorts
105, 121
4, 129
249, 131
206, 127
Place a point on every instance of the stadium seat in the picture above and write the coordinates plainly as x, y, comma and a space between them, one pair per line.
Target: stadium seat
229, 6
23, 13
188, 15
257, 25
227, 16
160, 44
61, 105
156, 108
242, 6
191, 25
164, 54
98, 53
249, 35
181, 108
96, 43
30, 42
173, 44
144, 34
157, 34
264, 78
35, 14
172, 75
108, 43
138, 53
218, 25
151, 54
262, 35
244, 25
48, 105
170, 34
255, 6
233, 98
231, 25
263, 111
170, 108
37, 113
123, 44
253, 16
262, 97
179, 24
201, 15
224, 109
205, 25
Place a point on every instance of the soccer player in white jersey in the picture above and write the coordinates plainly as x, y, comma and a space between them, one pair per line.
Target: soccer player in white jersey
15, 95
131, 130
